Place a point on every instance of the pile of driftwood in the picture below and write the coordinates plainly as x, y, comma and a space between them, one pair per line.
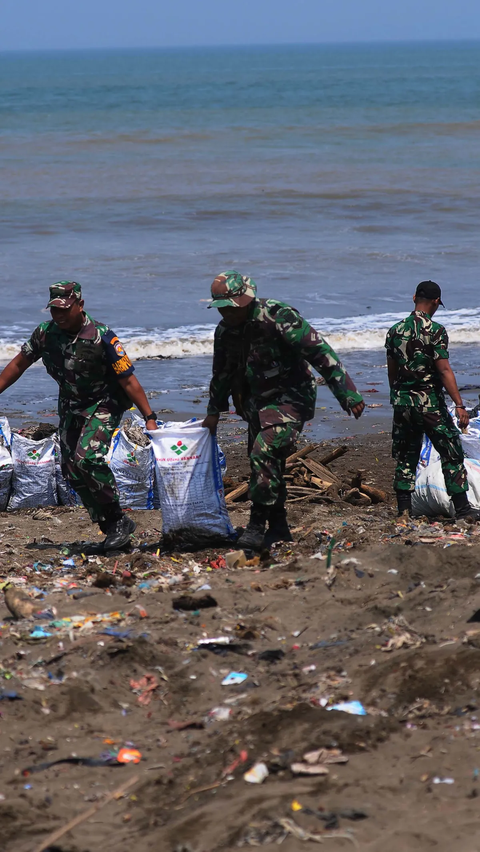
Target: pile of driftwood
309, 479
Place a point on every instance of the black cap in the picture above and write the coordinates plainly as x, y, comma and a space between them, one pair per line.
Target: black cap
429, 290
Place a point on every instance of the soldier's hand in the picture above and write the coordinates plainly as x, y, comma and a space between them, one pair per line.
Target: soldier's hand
357, 409
463, 418
211, 423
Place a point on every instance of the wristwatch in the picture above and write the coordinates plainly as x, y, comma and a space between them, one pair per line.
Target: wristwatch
151, 416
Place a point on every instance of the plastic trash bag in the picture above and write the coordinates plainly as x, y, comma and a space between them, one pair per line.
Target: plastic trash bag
33, 481
6, 463
430, 496
189, 486
133, 467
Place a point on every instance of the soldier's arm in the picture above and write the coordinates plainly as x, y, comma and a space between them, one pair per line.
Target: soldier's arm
137, 395
442, 365
392, 370
449, 382
123, 371
310, 345
30, 352
16, 368
221, 383
220, 386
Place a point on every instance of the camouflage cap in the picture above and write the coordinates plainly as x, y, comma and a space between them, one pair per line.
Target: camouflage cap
230, 289
63, 294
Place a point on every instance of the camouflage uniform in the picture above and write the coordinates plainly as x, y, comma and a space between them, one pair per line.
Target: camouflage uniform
418, 400
90, 404
264, 365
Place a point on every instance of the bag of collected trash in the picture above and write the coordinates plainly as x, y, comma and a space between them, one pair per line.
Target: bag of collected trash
6, 464
470, 439
33, 481
430, 496
133, 466
188, 484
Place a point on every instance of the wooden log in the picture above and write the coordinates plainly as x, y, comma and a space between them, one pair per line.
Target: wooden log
243, 488
309, 448
357, 498
237, 492
320, 483
334, 454
319, 470
376, 494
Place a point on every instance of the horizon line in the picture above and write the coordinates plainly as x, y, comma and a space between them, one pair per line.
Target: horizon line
253, 45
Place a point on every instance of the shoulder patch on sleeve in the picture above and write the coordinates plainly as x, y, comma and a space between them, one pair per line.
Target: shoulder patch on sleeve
111, 338
115, 353
289, 316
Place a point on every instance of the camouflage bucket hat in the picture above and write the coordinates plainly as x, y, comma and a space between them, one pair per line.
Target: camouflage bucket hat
63, 294
232, 290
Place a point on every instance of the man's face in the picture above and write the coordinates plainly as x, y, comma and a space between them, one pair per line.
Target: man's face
68, 319
234, 316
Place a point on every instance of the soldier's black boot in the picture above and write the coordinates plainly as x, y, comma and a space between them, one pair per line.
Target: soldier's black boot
253, 535
404, 503
118, 528
463, 510
278, 529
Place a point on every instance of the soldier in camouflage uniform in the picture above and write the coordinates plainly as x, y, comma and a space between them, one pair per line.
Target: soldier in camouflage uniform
262, 353
97, 385
418, 372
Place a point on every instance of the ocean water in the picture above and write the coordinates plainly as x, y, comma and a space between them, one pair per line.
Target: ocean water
336, 176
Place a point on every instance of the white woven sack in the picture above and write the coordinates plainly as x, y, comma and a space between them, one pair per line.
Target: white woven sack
133, 468
33, 481
188, 481
430, 496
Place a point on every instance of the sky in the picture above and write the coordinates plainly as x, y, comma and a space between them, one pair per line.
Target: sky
67, 24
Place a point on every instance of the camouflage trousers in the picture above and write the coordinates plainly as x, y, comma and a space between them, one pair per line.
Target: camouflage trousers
272, 434
409, 427
84, 443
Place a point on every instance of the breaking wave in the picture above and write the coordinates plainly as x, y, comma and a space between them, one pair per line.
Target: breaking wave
347, 333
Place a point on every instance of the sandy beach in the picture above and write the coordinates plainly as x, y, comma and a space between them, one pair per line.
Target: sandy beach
386, 625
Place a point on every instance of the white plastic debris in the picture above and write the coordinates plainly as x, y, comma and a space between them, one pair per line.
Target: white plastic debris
257, 774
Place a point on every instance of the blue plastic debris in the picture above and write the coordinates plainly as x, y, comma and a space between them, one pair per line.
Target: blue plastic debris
119, 634
356, 708
233, 678
9, 696
40, 633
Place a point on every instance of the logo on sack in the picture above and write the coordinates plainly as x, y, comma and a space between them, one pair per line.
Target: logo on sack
131, 458
34, 455
179, 448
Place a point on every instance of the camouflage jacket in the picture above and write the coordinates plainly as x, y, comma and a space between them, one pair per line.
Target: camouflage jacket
86, 367
415, 343
266, 362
